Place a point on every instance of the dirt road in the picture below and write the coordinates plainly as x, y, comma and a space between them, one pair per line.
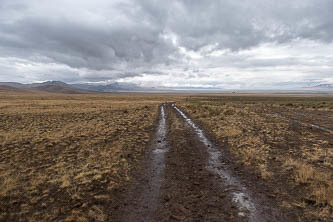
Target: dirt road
188, 177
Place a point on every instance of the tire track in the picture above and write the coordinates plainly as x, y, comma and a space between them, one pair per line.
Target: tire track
190, 191
144, 197
279, 115
185, 179
248, 206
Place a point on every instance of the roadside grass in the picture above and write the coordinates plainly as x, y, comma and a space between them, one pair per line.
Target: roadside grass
63, 157
293, 157
319, 182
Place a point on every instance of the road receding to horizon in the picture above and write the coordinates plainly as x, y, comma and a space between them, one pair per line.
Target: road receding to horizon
188, 177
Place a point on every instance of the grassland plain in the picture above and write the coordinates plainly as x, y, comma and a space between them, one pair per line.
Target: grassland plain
63, 157
287, 142
66, 157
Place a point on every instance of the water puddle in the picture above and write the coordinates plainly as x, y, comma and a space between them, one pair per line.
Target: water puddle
158, 162
147, 200
240, 195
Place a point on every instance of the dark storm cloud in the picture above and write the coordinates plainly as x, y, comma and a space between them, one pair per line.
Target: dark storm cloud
82, 45
113, 38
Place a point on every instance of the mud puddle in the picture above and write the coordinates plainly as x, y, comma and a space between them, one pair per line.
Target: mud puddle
247, 207
185, 177
145, 194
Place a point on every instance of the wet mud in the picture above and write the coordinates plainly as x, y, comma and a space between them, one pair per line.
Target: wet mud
187, 177
248, 207
142, 201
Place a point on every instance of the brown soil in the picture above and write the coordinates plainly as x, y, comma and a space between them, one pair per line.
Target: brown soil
284, 144
98, 158
189, 190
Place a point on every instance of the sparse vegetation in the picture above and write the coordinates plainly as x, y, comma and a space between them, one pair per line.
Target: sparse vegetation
279, 139
63, 157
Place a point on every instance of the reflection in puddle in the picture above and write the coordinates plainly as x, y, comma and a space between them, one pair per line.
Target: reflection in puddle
150, 195
157, 151
158, 161
240, 195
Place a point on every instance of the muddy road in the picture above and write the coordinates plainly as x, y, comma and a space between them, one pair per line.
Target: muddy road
188, 177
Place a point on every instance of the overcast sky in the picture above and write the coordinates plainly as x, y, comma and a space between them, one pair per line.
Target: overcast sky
230, 44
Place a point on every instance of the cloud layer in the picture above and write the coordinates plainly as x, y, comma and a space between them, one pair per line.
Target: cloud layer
217, 43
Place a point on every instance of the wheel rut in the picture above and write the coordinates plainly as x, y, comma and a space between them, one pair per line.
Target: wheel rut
142, 200
185, 178
250, 203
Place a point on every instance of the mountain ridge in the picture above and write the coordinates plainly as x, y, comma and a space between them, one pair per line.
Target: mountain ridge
58, 86
48, 86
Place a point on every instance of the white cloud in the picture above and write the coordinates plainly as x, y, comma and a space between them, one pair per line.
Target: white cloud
229, 44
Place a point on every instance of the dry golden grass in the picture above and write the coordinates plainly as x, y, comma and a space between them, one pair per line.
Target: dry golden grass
228, 124
281, 151
62, 157
318, 181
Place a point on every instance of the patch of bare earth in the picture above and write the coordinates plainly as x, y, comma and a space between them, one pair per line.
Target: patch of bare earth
190, 191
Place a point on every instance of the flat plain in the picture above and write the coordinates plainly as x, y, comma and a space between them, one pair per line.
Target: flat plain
286, 141
62, 157
76, 157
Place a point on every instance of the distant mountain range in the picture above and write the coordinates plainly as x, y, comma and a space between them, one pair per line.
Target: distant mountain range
321, 87
111, 87
49, 86
29, 86
61, 87
325, 86
5, 88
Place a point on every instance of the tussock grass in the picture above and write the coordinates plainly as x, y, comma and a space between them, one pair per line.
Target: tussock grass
320, 182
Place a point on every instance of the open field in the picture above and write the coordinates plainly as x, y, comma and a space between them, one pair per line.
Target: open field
102, 157
287, 142
63, 157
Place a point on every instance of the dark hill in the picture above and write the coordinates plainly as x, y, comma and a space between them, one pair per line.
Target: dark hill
59, 89
4, 88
